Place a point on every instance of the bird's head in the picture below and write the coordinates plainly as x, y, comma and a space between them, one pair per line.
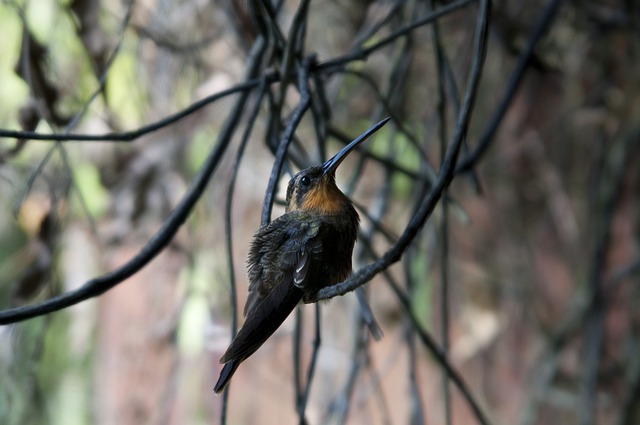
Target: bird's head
314, 189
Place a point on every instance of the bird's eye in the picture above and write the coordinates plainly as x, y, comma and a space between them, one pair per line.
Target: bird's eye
305, 181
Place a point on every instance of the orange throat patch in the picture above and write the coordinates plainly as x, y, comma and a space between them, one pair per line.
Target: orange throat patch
325, 199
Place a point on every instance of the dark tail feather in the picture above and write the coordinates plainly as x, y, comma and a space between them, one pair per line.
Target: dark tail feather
225, 376
262, 321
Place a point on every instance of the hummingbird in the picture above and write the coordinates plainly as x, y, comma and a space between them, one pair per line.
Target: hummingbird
308, 248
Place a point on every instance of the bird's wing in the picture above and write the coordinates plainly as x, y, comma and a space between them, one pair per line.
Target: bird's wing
282, 253
283, 261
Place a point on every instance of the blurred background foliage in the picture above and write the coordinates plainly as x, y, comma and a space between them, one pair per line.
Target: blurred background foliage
543, 260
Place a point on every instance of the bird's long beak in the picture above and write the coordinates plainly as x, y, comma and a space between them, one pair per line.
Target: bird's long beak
331, 165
